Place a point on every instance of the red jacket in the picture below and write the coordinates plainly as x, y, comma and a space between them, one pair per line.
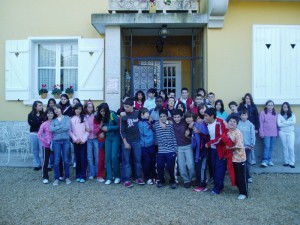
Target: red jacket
221, 131
189, 102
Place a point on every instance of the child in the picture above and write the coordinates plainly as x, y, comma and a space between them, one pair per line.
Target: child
221, 113
79, 134
110, 127
210, 100
166, 149
197, 103
233, 108
171, 94
75, 101
65, 105
130, 135
248, 131
233, 139
51, 103
202, 92
139, 99
121, 109
35, 119
181, 106
286, 123
92, 142
150, 102
185, 152
154, 113
45, 136
163, 94
188, 102
268, 131
148, 147
171, 105
60, 128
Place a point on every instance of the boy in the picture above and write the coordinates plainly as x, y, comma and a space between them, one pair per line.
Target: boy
148, 147
185, 99
233, 106
150, 102
166, 149
171, 94
197, 103
234, 142
154, 113
248, 131
211, 100
130, 135
185, 152
171, 105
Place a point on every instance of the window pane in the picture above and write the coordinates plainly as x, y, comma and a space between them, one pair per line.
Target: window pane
46, 55
69, 78
69, 55
46, 76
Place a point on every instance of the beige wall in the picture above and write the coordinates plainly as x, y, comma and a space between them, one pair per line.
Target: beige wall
20, 19
229, 57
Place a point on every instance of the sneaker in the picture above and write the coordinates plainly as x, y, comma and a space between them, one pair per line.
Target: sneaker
91, 177
139, 181
74, 164
56, 182
159, 185
150, 182
100, 179
173, 186
200, 189
187, 184
78, 180
82, 181
37, 168
242, 197
271, 164
263, 164
128, 184
68, 181
117, 181
214, 193
250, 180
108, 182
61, 178
45, 181
253, 164
292, 166
285, 164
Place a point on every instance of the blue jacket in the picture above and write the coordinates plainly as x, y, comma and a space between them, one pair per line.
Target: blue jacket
146, 133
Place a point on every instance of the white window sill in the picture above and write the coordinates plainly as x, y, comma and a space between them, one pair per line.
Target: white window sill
277, 101
45, 101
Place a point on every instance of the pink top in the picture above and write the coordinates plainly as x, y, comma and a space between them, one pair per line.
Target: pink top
268, 124
44, 134
90, 119
78, 130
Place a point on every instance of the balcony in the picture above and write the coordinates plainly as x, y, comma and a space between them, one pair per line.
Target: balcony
153, 6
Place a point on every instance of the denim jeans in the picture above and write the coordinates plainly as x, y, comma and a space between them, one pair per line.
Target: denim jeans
126, 167
248, 162
92, 156
61, 148
36, 148
269, 143
112, 149
186, 163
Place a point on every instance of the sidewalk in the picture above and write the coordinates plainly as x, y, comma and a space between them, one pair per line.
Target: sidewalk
277, 168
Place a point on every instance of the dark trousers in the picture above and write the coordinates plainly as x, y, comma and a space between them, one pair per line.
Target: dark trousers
47, 153
200, 169
149, 162
81, 160
209, 165
219, 169
170, 160
240, 177
248, 162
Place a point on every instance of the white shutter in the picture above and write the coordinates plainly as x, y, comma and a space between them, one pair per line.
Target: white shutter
17, 77
90, 69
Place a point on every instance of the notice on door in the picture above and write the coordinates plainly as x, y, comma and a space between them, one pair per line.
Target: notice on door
112, 85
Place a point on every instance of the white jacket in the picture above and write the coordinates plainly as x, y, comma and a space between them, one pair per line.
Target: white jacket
286, 125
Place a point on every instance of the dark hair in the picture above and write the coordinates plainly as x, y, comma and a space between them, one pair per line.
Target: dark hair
86, 105
266, 109
77, 106
98, 117
182, 105
152, 90
172, 98
221, 103
189, 114
78, 100
50, 100
143, 110
33, 109
165, 93
250, 96
159, 97
244, 111
48, 110
289, 112
201, 106
232, 103
203, 90
234, 117
184, 89
143, 96
163, 111
64, 106
177, 112
199, 96
129, 101
58, 106
211, 93
171, 91
211, 112
125, 96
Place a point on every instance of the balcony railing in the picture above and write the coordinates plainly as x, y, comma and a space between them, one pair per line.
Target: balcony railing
153, 5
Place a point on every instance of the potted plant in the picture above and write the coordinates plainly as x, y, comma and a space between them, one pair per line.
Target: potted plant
70, 91
56, 91
43, 91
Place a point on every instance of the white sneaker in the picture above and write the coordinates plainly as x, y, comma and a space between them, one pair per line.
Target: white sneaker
242, 197
68, 181
100, 179
271, 164
61, 178
149, 182
91, 177
263, 164
250, 180
74, 164
56, 182
108, 182
45, 181
117, 181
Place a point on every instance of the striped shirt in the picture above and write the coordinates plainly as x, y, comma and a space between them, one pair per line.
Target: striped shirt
165, 138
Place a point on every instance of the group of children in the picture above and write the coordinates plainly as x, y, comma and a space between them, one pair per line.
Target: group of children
157, 133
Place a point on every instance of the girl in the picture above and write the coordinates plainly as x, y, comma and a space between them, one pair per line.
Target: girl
35, 119
110, 127
65, 105
286, 122
92, 142
201, 109
163, 94
79, 134
181, 106
51, 102
139, 99
75, 101
268, 131
45, 136
60, 128
221, 113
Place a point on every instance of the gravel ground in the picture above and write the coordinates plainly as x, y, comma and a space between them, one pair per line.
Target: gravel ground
26, 200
